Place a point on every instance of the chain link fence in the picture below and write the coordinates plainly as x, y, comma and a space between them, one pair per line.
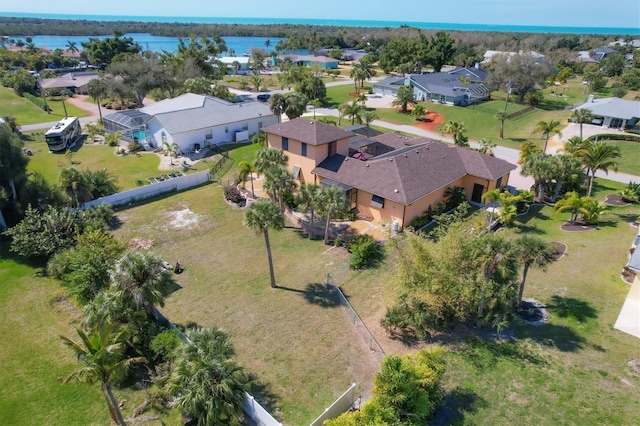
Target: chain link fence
356, 321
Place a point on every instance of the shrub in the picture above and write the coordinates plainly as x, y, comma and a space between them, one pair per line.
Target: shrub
232, 194
164, 345
135, 147
364, 251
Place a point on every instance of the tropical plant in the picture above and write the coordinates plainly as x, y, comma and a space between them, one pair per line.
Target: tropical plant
141, 279
170, 149
101, 182
98, 89
262, 215
245, 171
209, 386
308, 200
280, 183
541, 167
574, 146
573, 203
277, 103
404, 98
532, 251
418, 112
456, 130
369, 117
75, 185
592, 209
631, 193
597, 156
295, 105
270, 157
547, 130
353, 111
333, 204
501, 116
486, 146
527, 149
102, 352
581, 116
259, 138
455, 196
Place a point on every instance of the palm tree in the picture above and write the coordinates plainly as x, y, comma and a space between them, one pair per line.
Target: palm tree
571, 202
72, 47
498, 258
260, 139
455, 195
527, 149
280, 183
262, 215
171, 149
540, 167
574, 146
333, 203
270, 157
245, 171
599, 156
547, 129
278, 103
456, 130
102, 352
532, 251
404, 98
486, 146
295, 105
142, 280
207, 383
352, 110
98, 90
308, 200
360, 72
75, 186
582, 116
369, 117
102, 183
501, 116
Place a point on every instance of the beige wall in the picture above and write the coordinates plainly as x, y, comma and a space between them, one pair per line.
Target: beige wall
315, 155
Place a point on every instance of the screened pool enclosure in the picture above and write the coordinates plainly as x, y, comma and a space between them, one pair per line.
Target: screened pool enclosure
130, 124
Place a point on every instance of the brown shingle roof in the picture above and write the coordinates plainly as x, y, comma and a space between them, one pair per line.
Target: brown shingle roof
311, 132
410, 173
397, 141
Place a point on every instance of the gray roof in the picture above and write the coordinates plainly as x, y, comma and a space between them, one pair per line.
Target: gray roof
130, 118
443, 83
311, 132
72, 79
412, 172
613, 107
191, 112
392, 82
476, 74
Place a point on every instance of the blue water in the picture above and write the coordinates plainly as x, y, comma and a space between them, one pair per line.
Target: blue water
155, 43
340, 22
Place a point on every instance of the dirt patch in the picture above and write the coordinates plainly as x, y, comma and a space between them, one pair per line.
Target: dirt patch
182, 219
628, 275
577, 226
559, 249
140, 244
615, 200
431, 120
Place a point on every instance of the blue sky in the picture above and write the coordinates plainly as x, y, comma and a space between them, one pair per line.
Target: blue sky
570, 13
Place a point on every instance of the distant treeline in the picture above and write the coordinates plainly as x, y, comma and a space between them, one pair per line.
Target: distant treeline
320, 35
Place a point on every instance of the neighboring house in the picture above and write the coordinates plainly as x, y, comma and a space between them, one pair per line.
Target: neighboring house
613, 112
324, 62
397, 180
600, 53
489, 54
75, 82
455, 87
475, 74
242, 63
192, 122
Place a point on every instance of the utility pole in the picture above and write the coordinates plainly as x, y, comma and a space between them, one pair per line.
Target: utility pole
506, 99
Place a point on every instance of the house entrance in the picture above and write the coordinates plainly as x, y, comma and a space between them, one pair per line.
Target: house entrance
476, 195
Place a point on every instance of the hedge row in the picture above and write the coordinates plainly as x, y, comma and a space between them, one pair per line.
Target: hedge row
614, 137
39, 102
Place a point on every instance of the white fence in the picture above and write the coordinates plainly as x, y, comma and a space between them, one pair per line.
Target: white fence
340, 405
152, 190
257, 413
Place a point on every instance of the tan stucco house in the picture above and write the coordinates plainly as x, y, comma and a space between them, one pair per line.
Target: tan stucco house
390, 177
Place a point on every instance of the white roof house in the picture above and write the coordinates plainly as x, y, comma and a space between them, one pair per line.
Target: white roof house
612, 112
242, 62
197, 121
489, 54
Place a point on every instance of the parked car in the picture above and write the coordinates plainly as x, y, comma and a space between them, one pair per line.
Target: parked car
264, 97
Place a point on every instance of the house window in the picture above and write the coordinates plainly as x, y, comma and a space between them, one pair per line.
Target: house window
208, 135
285, 144
499, 182
226, 129
304, 149
377, 201
245, 126
616, 123
164, 137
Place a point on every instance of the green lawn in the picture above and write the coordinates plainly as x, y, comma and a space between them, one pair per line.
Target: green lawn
629, 155
295, 338
33, 357
128, 169
27, 113
338, 95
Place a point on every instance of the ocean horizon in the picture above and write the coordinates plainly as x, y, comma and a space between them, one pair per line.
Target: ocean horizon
337, 22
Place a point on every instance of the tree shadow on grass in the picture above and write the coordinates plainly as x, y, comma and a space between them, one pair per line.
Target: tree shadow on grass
556, 336
484, 354
321, 294
569, 307
457, 404
263, 393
